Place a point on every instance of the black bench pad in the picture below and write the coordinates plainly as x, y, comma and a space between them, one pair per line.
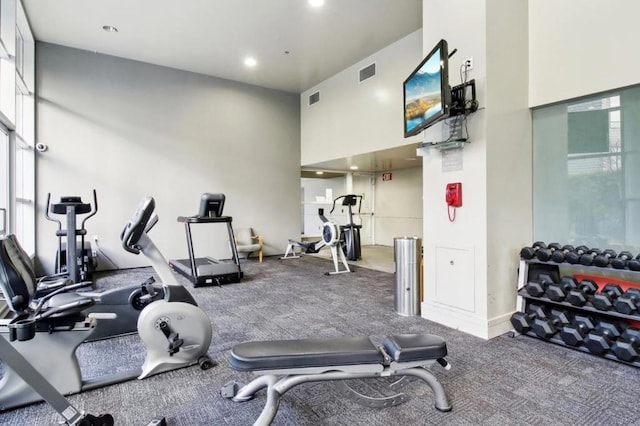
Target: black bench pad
306, 353
303, 353
415, 347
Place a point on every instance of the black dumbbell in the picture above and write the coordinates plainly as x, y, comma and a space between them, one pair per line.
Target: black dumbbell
527, 253
573, 334
628, 302
600, 340
602, 260
538, 286
558, 256
545, 328
578, 296
587, 258
627, 346
522, 321
558, 291
634, 264
574, 256
620, 262
604, 300
545, 253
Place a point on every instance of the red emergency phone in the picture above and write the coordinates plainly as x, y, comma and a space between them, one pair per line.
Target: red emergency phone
453, 194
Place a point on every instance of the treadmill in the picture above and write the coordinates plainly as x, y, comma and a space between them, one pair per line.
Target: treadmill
207, 271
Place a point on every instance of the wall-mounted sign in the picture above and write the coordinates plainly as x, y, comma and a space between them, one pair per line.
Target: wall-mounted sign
386, 176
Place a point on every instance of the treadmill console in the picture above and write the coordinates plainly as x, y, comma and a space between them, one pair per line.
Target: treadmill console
211, 205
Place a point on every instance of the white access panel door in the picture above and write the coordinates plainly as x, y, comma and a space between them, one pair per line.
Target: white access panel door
455, 282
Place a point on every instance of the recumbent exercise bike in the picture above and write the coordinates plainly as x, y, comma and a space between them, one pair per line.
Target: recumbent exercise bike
175, 334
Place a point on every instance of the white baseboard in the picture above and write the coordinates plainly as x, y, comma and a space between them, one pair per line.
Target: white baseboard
467, 322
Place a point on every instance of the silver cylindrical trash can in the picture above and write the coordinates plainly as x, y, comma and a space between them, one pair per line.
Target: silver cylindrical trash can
407, 253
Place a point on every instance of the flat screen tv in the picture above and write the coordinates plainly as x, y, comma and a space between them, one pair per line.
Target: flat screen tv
427, 95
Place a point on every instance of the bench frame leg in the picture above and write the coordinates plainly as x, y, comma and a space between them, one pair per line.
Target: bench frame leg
278, 385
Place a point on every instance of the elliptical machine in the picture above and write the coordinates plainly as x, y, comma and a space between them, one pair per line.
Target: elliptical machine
75, 258
350, 231
330, 238
175, 334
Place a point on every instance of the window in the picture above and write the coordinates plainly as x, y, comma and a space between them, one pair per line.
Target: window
17, 111
586, 169
24, 200
4, 182
19, 52
23, 136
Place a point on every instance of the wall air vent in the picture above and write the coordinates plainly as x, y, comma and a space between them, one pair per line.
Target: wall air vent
367, 72
314, 98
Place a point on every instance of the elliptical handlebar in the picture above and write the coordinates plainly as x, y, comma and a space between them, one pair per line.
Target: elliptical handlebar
359, 202
350, 200
94, 209
46, 212
334, 203
137, 225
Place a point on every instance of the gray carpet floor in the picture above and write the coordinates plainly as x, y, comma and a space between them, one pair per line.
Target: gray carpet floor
504, 381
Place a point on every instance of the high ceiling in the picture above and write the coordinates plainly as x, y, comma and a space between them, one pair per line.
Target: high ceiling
213, 37
296, 46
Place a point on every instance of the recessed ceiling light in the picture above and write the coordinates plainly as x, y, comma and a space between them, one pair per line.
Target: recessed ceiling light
316, 3
319, 173
250, 62
110, 28
354, 167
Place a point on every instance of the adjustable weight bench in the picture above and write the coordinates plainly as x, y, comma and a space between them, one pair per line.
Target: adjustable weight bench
283, 364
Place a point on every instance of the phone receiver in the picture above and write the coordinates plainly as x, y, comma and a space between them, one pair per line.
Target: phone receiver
453, 194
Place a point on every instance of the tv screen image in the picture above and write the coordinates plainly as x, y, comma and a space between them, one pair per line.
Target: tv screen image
425, 91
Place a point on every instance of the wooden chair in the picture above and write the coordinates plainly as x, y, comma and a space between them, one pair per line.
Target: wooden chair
248, 242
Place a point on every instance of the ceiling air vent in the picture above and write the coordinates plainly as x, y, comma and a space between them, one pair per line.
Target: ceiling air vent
314, 98
367, 72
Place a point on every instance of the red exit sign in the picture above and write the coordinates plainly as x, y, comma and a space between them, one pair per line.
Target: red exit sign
386, 176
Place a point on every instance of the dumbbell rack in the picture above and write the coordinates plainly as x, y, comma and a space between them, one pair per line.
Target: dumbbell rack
525, 298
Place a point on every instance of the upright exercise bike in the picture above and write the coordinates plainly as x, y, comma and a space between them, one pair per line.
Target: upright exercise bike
175, 334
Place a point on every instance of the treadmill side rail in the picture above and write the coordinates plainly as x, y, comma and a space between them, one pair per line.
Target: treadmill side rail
207, 271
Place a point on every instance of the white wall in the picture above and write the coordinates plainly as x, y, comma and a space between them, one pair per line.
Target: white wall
545, 52
130, 129
319, 193
457, 299
509, 155
398, 205
356, 118
580, 47
470, 263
